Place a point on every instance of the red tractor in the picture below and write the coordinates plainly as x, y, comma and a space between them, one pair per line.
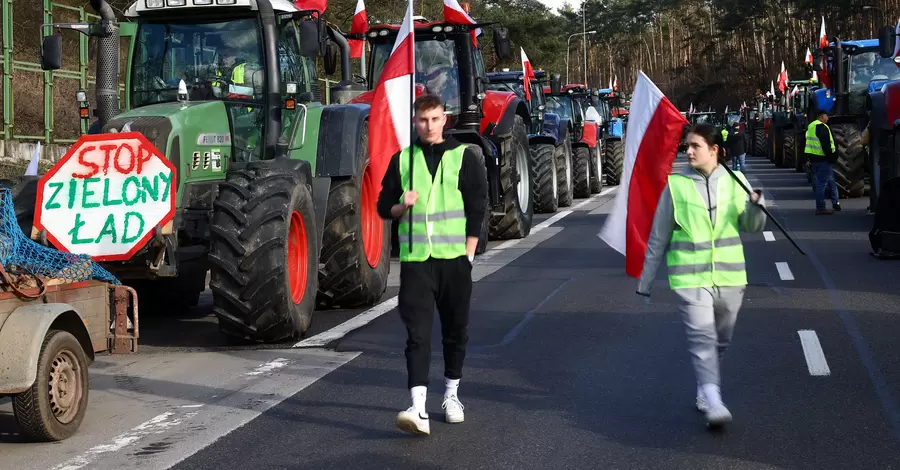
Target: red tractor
569, 103
494, 123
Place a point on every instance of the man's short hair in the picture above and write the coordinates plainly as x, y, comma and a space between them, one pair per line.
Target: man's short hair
427, 103
821, 112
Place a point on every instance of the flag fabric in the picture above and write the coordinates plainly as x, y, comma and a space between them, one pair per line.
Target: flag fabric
815, 76
311, 5
809, 58
454, 14
359, 25
772, 88
654, 131
527, 74
32, 169
823, 43
390, 117
783, 79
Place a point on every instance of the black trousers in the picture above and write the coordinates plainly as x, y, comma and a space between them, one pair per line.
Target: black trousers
446, 283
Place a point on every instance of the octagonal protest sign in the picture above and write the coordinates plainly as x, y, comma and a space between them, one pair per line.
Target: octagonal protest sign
106, 196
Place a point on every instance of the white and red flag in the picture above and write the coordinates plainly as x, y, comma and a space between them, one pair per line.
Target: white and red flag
809, 57
825, 80
455, 14
311, 5
359, 25
527, 74
783, 79
654, 131
390, 118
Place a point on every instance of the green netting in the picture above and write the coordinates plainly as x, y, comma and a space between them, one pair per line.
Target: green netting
19, 251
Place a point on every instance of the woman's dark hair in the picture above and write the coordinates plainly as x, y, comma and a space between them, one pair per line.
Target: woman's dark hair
713, 136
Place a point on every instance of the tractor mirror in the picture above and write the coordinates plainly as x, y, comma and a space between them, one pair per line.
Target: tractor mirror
312, 38
332, 57
502, 44
555, 84
51, 52
886, 41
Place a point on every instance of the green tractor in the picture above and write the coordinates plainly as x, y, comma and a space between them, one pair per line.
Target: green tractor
286, 222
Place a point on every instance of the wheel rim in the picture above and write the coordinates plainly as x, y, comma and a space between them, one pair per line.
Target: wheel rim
569, 171
599, 166
372, 225
298, 255
66, 387
524, 188
553, 181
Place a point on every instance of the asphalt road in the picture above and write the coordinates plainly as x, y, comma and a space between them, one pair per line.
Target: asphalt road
565, 369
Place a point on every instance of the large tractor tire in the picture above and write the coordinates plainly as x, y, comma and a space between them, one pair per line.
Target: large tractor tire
789, 150
486, 222
263, 251
597, 168
581, 172
615, 161
564, 172
759, 143
544, 187
356, 243
515, 185
800, 153
850, 168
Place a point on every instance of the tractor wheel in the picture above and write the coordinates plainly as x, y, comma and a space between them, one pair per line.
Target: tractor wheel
759, 143
356, 257
486, 222
263, 251
515, 185
789, 150
546, 193
800, 153
850, 168
564, 172
596, 169
615, 161
581, 172
53, 408
24, 195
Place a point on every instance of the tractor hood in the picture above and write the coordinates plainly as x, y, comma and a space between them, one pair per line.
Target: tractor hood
824, 99
875, 85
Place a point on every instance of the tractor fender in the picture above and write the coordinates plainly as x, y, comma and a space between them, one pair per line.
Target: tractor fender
565, 128
541, 139
590, 134
551, 126
363, 98
889, 103
21, 338
616, 128
823, 99
338, 151
500, 108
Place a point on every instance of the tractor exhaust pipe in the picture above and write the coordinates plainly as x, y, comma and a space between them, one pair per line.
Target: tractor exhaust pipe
841, 92
273, 79
341, 41
107, 64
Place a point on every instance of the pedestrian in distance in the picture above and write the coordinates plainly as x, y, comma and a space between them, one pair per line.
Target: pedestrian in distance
737, 148
443, 186
821, 154
696, 227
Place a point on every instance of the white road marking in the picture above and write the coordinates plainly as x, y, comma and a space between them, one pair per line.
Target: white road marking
269, 366
769, 236
784, 271
338, 332
191, 406
812, 351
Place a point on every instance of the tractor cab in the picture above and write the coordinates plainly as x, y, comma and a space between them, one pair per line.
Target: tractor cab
506, 81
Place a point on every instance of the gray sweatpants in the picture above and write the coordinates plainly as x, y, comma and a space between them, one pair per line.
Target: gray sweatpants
709, 315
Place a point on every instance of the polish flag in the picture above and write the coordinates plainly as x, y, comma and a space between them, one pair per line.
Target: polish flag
360, 25
809, 57
616, 83
311, 5
795, 90
527, 74
654, 131
823, 43
815, 76
455, 14
390, 118
782, 79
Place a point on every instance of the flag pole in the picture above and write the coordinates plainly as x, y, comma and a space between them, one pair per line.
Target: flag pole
412, 112
765, 211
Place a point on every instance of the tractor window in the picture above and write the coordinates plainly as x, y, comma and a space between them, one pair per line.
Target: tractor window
479, 70
291, 72
560, 105
870, 66
437, 68
216, 60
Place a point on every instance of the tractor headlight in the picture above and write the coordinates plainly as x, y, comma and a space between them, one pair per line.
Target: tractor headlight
226, 2
383, 32
203, 2
373, 34
175, 3
436, 29
154, 3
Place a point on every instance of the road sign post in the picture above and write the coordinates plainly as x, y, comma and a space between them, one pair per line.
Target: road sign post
106, 196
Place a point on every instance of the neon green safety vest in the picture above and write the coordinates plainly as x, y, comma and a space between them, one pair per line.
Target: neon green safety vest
237, 75
438, 218
724, 135
813, 146
700, 254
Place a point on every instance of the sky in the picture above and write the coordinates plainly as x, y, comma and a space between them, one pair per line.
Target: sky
554, 4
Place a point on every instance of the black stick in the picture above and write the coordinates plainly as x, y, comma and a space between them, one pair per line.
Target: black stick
769, 215
412, 150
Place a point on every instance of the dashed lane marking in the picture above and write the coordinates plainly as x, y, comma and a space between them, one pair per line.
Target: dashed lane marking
769, 236
784, 271
812, 351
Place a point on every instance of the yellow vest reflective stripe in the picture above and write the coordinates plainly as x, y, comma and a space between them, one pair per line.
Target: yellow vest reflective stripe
813, 146
438, 218
701, 254
237, 75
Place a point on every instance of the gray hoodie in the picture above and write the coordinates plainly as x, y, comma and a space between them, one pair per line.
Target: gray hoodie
753, 219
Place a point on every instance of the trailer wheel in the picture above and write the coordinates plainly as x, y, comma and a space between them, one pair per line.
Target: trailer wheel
515, 184
850, 168
596, 169
581, 165
789, 150
485, 223
564, 172
615, 161
52, 410
356, 243
263, 252
546, 191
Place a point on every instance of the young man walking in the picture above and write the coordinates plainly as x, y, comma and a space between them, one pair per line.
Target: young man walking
821, 154
737, 149
440, 191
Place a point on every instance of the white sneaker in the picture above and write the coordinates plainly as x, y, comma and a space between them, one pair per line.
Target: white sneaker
700, 402
414, 422
453, 409
717, 415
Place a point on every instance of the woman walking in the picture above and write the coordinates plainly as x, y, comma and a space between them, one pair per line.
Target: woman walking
696, 226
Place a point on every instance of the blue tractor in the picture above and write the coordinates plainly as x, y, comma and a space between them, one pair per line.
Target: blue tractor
547, 152
861, 71
613, 134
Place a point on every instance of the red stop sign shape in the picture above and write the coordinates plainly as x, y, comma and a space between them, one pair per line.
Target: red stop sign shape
106, 196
